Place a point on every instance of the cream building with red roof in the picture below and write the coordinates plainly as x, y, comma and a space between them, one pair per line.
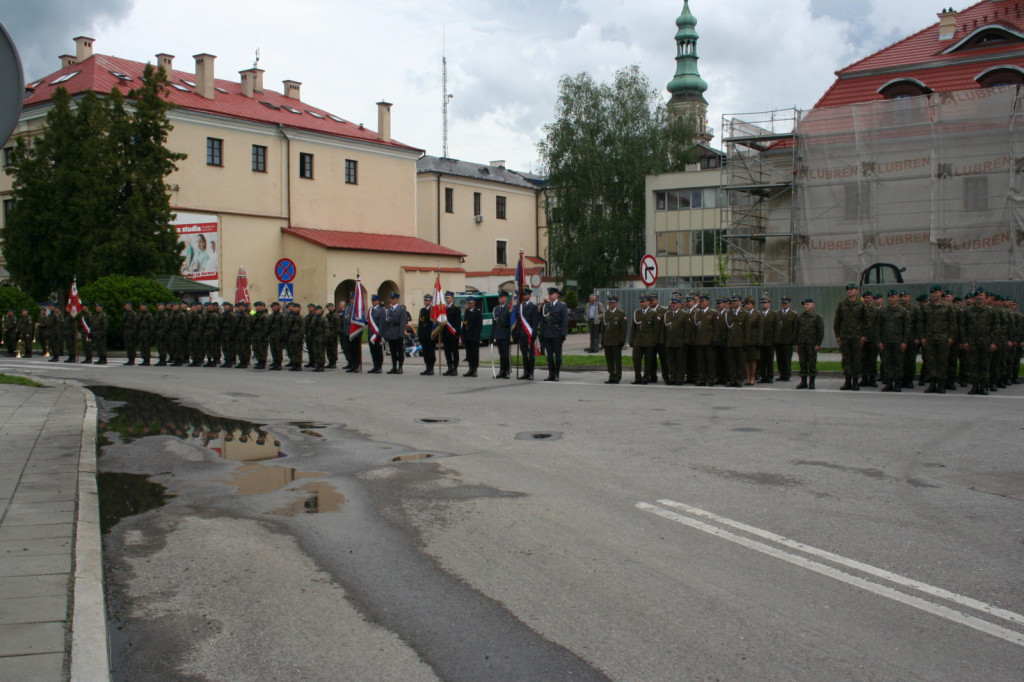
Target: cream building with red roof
269, 176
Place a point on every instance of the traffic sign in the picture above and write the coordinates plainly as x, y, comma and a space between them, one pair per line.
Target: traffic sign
285, 292
285, 271
648, 270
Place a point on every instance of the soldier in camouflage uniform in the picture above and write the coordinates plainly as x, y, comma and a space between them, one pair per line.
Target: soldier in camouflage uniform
243, 335
144, 333
260, 335
892, 333
162, 333
56, 342
978, 331
211, 334
129, 331
869, 352
180, 320
197, 334
938, 330
810, 331
331, 335
316, 330
850, 326
228, 322
277, 335
293, 329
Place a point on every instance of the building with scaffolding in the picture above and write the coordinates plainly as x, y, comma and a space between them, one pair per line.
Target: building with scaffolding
909, 168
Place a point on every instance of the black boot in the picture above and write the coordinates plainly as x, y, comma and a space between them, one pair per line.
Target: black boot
803, 383
887, 387
810, 383
847, 386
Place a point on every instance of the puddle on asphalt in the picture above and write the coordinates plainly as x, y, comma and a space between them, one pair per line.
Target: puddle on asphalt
256, 479
124, 495
139, 414
319, 497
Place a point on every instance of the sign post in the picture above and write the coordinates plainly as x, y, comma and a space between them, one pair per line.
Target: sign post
648, 270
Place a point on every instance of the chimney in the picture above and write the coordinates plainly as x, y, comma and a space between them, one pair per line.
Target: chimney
83, 48
498, 164
166, 62
947, 24
204, 74
67, 60
252, 81
384, 120
292, 89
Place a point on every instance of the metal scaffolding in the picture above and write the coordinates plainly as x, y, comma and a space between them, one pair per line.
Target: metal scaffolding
758, 225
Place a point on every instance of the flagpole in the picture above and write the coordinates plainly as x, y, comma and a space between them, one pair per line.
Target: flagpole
438, 351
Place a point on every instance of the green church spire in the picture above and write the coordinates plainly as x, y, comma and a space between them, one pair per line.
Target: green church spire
687, 80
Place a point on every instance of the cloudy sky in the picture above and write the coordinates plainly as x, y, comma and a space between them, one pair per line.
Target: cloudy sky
504, 57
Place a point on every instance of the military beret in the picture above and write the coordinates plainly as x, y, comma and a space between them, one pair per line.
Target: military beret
527, 290
319, 307
428, 297
311, 305
329, 304
935, 288
259, 303
143, 304
956, 299
868, 294
24, 310
395, 294
893, 292
922, 298
807, 300
374, 297
904, 293
277, 303
787, 299
947, 292
98, 304
851, 285
613, 299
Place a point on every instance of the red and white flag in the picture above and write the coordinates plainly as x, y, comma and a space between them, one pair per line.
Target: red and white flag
355, 327
75, 306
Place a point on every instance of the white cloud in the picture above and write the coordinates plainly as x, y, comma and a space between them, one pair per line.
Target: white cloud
504, 58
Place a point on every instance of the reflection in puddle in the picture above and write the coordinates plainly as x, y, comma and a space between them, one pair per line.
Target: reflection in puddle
256, 479
148, 414
321, 497
124, 495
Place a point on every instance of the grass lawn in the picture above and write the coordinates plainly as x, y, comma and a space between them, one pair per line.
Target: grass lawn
19, 381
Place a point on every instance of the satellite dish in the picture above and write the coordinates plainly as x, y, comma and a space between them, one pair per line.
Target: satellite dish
12, 84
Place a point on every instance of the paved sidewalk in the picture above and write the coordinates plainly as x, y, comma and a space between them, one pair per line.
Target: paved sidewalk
52, 620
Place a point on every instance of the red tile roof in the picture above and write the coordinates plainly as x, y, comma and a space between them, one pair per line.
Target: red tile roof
920, 56
370, 241
97, 74
503, 272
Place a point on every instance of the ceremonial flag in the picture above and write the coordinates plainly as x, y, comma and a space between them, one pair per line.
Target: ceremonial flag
437, 305
517, 308
355, 328
518, 293
74, 306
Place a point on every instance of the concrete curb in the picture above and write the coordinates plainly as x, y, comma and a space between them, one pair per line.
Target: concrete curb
90, 645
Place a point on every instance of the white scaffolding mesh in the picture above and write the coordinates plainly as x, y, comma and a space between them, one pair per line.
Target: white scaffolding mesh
932, 184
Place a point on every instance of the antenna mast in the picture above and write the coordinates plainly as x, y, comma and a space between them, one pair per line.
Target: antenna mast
445, 97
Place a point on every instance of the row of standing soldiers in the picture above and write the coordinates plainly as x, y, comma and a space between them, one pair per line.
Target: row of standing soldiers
975, 341
730, 344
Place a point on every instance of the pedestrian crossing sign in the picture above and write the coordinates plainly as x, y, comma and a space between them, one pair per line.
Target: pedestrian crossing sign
285, 292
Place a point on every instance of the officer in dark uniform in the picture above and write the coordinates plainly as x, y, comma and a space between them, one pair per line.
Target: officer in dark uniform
810, 331
785, 337
527, 320
99, 324
425, 334
395, 320
331, 335
554, 327
450, 334
472, 327
613, 338
377, 319
501, 333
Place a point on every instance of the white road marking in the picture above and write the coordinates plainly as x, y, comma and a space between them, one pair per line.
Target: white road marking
1010, 616
875, 588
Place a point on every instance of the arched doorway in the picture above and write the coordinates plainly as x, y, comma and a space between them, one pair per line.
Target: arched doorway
385, 289
346, 291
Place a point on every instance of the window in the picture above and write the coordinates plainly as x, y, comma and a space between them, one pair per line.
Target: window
668, 243
214, 151
8, 209
685, 199
500, 208
351, 172
857, 202
707, 242
305, 165
476, 203
976, 193
709, 162
501, 252
8, 156
259, 158
1000, 77
449, 200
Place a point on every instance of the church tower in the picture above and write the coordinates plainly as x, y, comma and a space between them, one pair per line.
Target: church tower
688, 87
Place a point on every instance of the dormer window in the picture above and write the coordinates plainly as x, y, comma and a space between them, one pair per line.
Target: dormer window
1000, 76
904, 87
987, 36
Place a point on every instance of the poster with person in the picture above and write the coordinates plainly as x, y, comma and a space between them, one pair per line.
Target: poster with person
199, 243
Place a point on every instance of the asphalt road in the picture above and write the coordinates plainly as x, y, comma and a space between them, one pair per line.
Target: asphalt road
569, 531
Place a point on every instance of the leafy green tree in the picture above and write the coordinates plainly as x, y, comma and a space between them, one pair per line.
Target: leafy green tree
15, 299
113, 290
89, 192
606, 138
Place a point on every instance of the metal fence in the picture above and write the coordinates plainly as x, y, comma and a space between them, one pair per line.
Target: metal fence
826, 298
